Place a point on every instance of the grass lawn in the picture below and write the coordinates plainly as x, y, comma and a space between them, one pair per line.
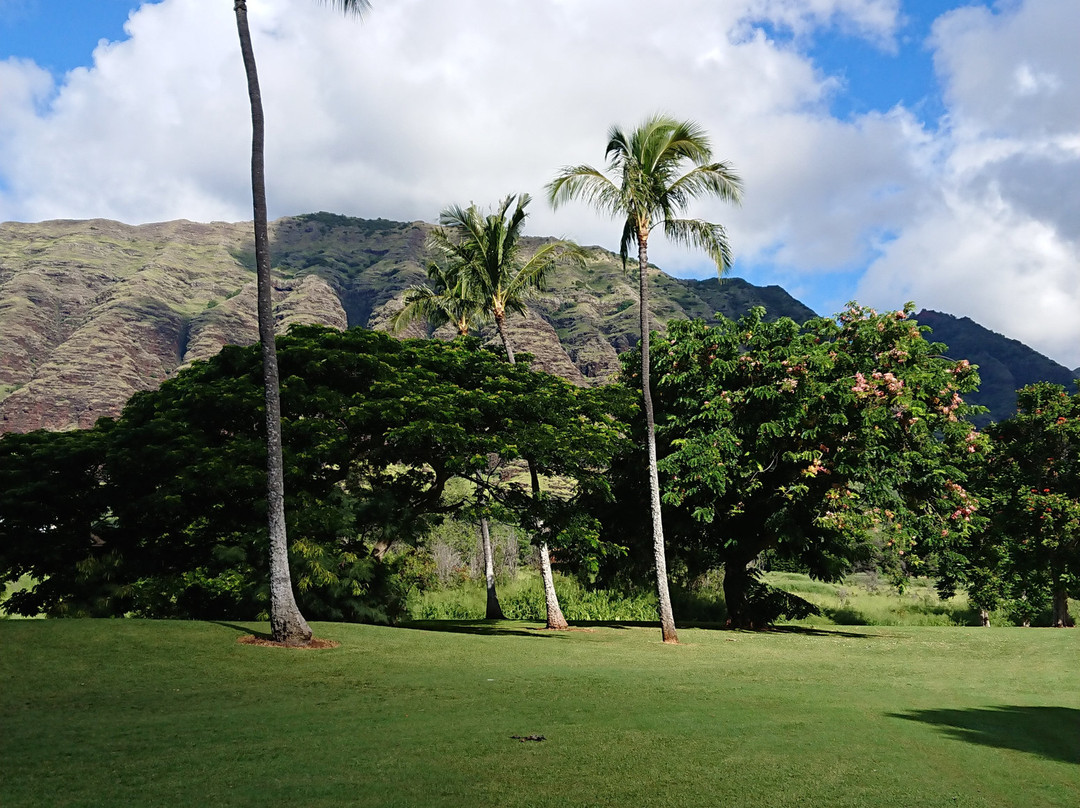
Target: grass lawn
158, 713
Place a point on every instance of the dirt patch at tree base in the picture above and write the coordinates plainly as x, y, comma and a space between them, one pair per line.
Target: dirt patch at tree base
315, 644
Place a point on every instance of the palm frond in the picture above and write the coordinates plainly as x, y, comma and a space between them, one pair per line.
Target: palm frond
356, 7
587, 184
706, 236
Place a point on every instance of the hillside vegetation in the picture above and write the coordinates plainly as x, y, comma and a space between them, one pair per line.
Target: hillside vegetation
94, 311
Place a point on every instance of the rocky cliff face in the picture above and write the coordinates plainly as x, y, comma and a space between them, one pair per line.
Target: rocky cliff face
94, 311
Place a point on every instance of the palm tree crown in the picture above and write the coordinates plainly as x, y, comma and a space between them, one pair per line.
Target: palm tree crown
484, 258
443, 301
651, 189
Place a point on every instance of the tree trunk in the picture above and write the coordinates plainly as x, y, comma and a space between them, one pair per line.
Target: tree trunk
554, 614
494, 610
667, 617
287, 625
984, 618
500, 326
1061, 608
555, 619
736, 584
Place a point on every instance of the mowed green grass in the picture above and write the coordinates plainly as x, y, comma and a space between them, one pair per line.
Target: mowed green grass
161, 713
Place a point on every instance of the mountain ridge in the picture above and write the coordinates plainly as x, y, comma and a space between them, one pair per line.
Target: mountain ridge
92, 311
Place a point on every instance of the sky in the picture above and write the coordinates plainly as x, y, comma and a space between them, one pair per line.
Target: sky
891, 150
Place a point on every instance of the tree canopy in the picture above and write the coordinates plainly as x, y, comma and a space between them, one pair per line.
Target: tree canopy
828, 444
161, 508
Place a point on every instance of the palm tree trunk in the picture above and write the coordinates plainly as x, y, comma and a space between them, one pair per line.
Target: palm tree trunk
667, 617
287, 625
1060, 600
500, 326
493, 610
555, 619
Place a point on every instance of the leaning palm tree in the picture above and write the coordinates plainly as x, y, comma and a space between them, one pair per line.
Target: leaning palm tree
487, 261
650, 189
287, 625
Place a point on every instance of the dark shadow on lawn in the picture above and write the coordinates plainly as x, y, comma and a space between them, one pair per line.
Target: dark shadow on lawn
809, 631
487, 628
1049, 732
262, 635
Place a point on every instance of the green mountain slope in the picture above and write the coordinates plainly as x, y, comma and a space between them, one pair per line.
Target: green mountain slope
93, 311
1005, 365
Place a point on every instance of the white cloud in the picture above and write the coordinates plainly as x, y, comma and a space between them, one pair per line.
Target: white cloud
876, 20
426, 103
997, 237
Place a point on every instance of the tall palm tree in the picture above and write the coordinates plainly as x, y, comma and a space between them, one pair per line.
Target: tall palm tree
447, 301
486, 257
287, 625
650, 189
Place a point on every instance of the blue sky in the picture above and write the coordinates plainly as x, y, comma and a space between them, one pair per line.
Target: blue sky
60, 34
891, 150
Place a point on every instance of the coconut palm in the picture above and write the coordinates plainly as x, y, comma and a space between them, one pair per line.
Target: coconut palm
486, 259
287, 625
442, 301
485, 255
657, 170
447, 301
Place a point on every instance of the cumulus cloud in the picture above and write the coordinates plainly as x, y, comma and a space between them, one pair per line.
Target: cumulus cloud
997, 235
426, 103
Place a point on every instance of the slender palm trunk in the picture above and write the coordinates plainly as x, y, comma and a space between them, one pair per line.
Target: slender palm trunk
500, 326
287, 625
494, 610
555, 619
667, 617
1060, 599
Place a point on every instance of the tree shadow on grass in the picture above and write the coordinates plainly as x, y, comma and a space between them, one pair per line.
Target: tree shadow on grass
1049, 732
486, 628
809, 631
262, 635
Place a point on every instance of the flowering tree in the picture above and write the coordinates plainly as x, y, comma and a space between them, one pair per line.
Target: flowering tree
1029, 555
838, 441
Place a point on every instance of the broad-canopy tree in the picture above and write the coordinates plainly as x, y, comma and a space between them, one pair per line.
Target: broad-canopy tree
54, 517
1027, 558
656, 171
159, 513
836, 442
287, 624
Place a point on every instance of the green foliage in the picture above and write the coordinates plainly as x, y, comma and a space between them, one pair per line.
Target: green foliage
522, 598
332, 220
1027, 559
829, 444
162, 512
